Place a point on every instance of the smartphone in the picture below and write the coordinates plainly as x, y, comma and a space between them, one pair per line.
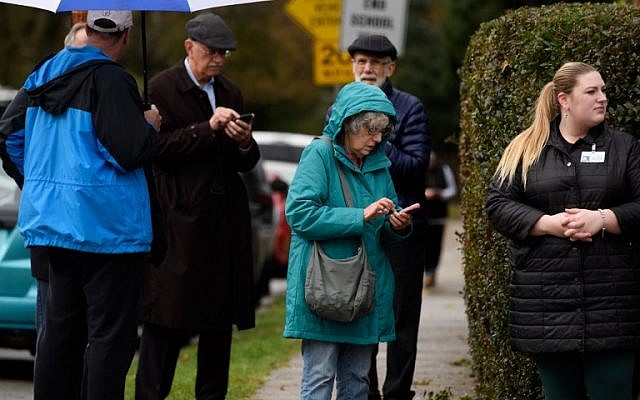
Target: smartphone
248, 117
411, 208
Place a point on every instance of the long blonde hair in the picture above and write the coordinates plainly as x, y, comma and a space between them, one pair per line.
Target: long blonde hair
525, 148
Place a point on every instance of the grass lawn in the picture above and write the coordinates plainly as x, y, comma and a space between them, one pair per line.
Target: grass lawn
254, 354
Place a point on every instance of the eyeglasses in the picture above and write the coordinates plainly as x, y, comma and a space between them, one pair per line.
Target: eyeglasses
208, 51
374, 62
385, 132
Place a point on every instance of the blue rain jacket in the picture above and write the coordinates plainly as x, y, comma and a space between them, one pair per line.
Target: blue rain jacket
80, 143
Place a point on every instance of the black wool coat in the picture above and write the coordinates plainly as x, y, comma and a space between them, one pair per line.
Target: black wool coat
206, 279
574, 296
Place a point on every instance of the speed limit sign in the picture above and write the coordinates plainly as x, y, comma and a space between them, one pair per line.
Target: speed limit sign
331, 65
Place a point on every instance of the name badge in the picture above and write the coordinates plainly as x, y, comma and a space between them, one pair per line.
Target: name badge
592, 157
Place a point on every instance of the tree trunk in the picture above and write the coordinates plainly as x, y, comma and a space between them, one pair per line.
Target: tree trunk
78, 16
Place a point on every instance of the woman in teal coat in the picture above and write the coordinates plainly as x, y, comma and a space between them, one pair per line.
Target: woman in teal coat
316, 210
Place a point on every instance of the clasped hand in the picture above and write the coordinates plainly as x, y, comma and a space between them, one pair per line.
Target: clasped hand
577, 224
383, 207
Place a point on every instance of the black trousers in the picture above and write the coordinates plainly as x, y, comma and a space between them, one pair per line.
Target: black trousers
433, 248
90, 332
406, 259
159, 350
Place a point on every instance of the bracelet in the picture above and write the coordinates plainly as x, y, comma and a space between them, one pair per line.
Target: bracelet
604, 221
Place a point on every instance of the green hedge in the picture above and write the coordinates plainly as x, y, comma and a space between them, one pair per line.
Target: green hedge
508, 61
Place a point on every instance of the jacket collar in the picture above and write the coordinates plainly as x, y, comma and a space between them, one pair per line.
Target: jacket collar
193, 77
185, 84
596, 135
376, 160
387, 87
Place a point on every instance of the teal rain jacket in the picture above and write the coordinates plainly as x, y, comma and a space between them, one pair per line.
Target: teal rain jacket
316, 210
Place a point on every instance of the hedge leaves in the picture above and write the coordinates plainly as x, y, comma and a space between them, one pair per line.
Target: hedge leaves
508, 61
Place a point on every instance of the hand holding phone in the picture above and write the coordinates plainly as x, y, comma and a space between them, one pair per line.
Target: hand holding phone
402, 219
248, 117
411, 208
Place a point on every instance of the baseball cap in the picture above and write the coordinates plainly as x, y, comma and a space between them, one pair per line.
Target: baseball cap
109, 20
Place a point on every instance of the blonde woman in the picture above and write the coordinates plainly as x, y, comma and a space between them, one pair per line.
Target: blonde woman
77, 36
567, 194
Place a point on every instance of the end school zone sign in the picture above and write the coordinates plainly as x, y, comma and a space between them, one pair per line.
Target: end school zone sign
366, 17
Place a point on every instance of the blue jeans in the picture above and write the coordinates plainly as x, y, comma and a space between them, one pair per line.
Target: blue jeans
348, 364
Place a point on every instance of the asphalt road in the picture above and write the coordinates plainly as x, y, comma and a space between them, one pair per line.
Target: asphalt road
16, 375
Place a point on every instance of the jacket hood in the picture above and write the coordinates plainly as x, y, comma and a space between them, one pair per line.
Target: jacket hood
355, 98
52, 85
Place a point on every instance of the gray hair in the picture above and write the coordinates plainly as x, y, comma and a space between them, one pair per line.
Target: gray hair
70, 39
370, 120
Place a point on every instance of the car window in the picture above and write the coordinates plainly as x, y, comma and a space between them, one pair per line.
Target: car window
281, 152
9, 200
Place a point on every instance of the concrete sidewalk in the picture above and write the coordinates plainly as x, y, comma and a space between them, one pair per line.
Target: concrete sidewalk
443, 358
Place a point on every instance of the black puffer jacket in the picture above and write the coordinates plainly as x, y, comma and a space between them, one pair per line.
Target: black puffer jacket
574, 296
408, 151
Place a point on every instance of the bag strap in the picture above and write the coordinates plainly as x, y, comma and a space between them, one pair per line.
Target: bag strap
346, 190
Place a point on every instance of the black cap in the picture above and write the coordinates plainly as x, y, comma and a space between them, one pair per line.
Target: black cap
210, 30
377, 45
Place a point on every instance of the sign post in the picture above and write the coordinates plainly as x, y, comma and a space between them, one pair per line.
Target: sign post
78, 16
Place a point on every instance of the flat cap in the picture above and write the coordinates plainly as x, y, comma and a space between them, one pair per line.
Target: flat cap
378, 45
210, 30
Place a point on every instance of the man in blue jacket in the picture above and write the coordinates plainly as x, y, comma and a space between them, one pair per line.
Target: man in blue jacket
78, 137
374, 62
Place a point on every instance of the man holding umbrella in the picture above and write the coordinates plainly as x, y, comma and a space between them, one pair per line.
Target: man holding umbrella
80, 146
205, 283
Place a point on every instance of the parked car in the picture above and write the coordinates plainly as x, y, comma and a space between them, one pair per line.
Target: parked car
9, 192
17, 286
262, 216
17, 293
280, 154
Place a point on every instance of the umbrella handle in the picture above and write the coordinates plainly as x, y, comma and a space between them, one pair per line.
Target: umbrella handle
145, 80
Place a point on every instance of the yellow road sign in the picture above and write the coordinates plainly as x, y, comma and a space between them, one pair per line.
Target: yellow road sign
321, 18
331, 66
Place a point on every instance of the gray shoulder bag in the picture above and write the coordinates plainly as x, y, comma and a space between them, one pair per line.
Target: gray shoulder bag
344, 289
